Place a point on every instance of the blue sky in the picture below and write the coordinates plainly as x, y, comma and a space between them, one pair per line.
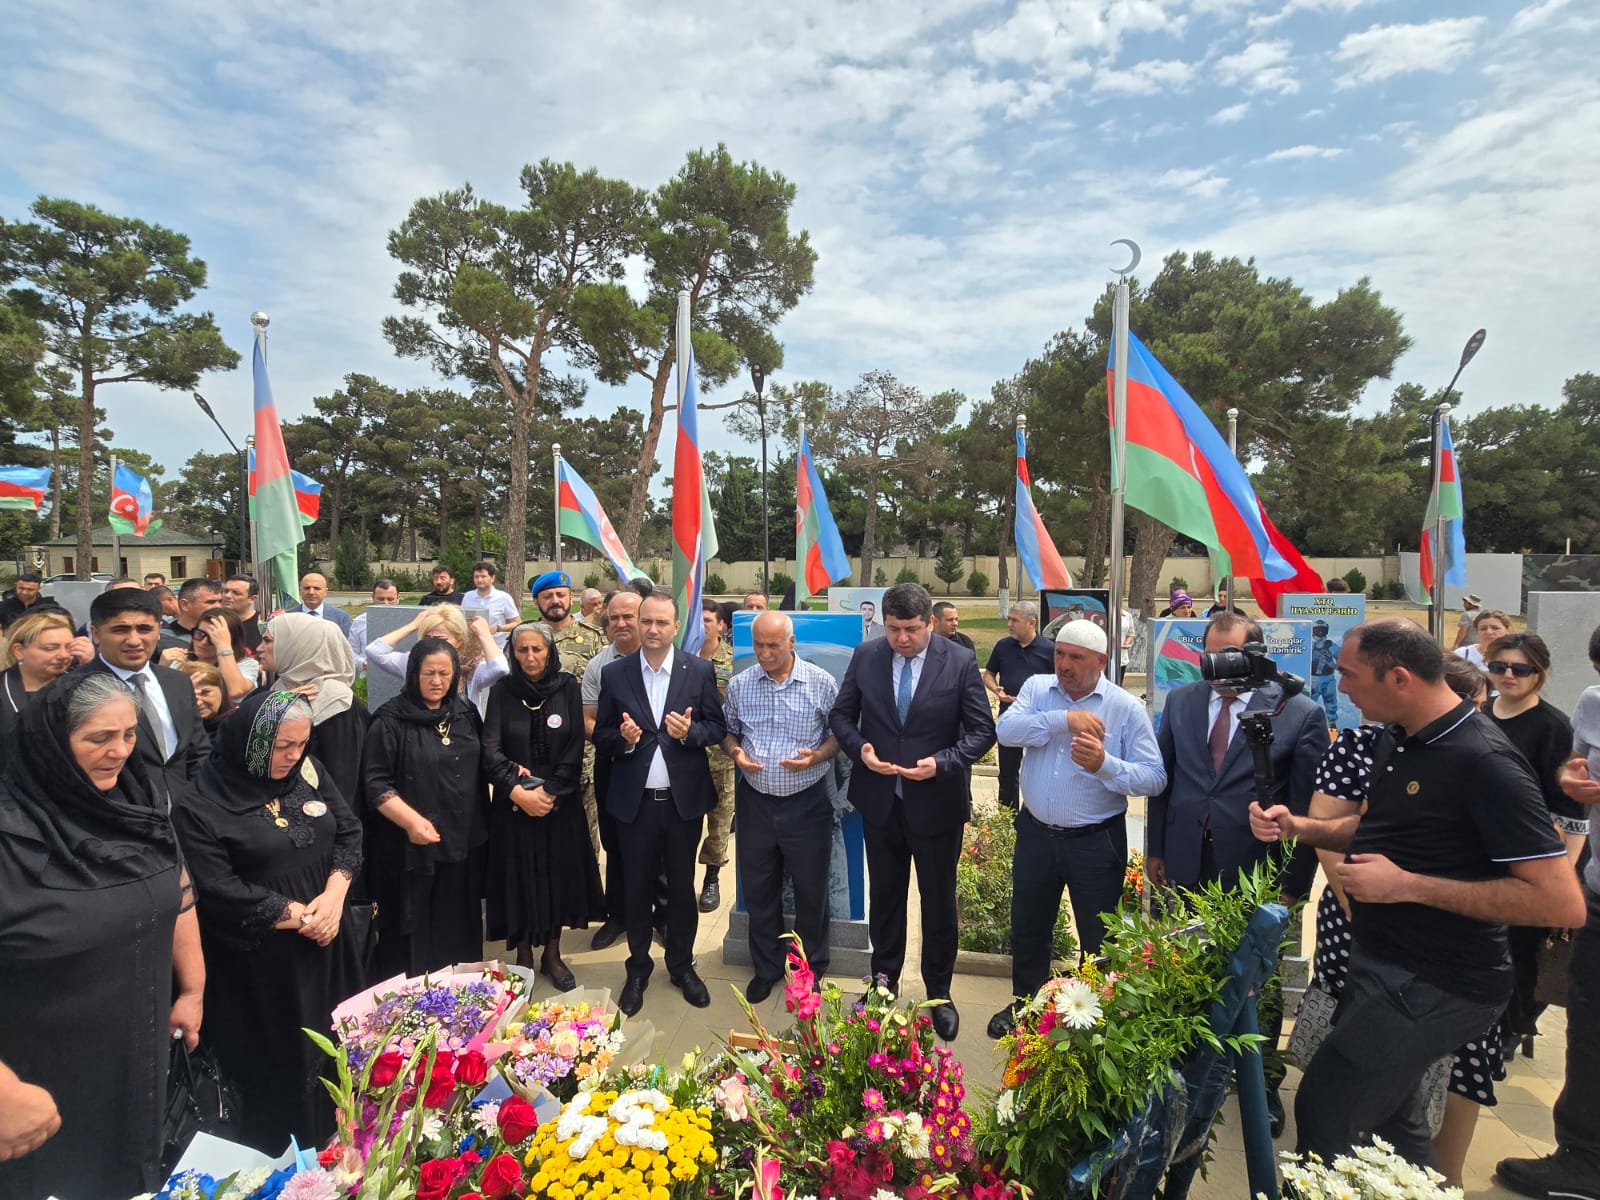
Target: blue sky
961, 165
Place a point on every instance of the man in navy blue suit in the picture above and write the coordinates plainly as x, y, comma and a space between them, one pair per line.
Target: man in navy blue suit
658, 711
913, 715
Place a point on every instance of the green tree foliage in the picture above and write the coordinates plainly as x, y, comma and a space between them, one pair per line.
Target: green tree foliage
22, 350
949, 566
107, 291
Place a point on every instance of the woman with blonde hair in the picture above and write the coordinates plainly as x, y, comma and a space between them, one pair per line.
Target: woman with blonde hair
210, 694
36, 649
482, 660
312, 657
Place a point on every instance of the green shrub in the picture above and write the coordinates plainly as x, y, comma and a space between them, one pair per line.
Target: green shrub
1177, 584
1356, 580
906, 575
983, 891
716, 585
977, 583
949, 565
350, 563
592, 580
407, 581
781, 583
879, 579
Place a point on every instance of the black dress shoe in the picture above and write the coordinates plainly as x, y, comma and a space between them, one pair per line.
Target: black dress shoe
946, 1021
632, 998
562, 980
711, 892
758, 989
606, 936
1002, 1023
693, 988
1275, 1117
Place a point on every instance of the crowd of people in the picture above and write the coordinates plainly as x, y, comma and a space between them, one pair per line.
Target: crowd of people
203, 829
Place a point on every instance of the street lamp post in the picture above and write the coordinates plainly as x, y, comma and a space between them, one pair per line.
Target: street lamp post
758, 377
1436, 594
244, 485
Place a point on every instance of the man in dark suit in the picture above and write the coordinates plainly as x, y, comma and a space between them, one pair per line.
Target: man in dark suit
126, 623
314, 600
1198, 828
658, 711
913, 716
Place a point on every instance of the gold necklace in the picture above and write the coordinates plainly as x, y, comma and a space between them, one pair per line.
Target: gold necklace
276, 809
443, 730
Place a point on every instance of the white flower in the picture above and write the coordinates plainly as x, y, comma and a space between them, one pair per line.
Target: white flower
432, 1127
884, 1194
1077, 1005
914, 1139
1005, 1107
487, 1117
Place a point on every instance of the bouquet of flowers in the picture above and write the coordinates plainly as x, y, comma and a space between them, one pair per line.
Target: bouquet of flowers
285, 1183
457, 1004
855, 1102
566, 1045
630, 1145
1369, 1173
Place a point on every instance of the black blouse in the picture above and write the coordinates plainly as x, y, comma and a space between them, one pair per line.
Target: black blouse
444, 782
547, 739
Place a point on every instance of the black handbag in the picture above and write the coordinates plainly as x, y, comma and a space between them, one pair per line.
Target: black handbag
1553, 963
199, 1099
361, 927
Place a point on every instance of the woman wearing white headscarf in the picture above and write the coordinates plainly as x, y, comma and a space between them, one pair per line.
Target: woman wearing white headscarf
311, 656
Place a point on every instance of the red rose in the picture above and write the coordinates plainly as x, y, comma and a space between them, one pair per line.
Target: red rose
501, 1177
471, 1196
436, 1178
517, 1120
472, 1069
386, 1068
440, 1084
330, 1156
442, 1059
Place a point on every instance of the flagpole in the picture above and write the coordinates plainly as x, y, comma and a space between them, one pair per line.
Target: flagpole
1233, 448
801, 592
1119, 456
1436, 596
1022, 428
116, 538
555, 500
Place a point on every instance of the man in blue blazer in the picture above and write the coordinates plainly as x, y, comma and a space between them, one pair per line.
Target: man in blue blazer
913, 716
1198, 828
314, 600
658, 712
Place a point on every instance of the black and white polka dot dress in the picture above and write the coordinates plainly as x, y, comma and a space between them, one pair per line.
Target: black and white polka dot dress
1345, 773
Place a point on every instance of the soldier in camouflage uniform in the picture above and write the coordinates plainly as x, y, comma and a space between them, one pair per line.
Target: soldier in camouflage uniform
718, 647
577, 642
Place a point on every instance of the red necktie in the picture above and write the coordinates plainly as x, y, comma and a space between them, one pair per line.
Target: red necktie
1218, 741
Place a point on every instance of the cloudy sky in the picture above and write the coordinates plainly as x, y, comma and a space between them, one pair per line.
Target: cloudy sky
961, 165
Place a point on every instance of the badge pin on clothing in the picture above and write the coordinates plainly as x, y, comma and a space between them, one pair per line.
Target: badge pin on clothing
315, 808
554, 721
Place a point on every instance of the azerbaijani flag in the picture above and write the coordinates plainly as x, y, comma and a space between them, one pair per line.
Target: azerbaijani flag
23, 487
1266, 592
1181, 472
275, 509
307, 493
132, 503
694, 536
818, 550
580, 516
1445, 500
1034, 548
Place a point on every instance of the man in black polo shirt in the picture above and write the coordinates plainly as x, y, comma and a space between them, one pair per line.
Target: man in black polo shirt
947, 623
444, 588
1015, 659
1454, 844
25, 601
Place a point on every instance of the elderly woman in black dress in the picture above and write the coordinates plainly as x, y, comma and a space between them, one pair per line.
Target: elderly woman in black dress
424, 784
93, 936
273, 847
542, 871
311, 656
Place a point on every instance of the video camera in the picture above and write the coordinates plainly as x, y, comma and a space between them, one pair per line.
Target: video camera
1247, 667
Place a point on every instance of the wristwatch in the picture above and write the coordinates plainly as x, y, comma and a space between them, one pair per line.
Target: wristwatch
224, 653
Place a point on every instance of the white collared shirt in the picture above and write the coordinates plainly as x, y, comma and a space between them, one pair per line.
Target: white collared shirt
155, 700
656, 684
1214, 706
897, 664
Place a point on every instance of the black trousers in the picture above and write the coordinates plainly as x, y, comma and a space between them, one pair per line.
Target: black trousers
781, 835
1010, 773
1090, 865
891, 849
1577, 1110
616, 905
1391, 1025
659, 839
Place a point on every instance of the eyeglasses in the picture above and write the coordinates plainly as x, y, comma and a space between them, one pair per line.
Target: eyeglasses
200, 635
1520, 670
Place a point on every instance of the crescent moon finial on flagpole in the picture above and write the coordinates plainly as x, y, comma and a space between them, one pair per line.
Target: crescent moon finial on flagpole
1133, 262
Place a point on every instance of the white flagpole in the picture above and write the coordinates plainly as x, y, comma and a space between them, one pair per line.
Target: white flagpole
1119, 456
555, 500
1436, 596
116, 538
1233, 448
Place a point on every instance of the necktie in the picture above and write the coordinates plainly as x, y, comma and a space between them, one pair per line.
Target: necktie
1218, 741
902, 697
144, 683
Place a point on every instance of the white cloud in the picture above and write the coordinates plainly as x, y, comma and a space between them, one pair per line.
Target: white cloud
1300, 153
1259, 67
1231, 115
1058, 32
1146, 78
1384, 51
1548, 14
1294, 6
1201, 182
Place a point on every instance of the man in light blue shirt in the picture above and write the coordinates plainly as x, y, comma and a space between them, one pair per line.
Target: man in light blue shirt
1088, 745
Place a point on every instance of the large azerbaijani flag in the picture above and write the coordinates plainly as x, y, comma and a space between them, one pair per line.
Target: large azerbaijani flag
694, 536
579, 515
307, 493
23, 487
132, 503
1181, 472
818, 550
1266, 592
1035, 550
279, 529
1445, 501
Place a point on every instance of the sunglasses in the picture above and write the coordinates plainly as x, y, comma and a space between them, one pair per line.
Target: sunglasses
1520, 670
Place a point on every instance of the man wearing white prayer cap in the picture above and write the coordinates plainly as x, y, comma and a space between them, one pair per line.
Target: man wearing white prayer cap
1087, 746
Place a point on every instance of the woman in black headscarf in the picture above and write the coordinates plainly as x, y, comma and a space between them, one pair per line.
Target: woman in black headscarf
92, 933
542, 871
424, 782
273, 847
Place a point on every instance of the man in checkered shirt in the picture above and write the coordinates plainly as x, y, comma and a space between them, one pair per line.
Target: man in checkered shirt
778, 738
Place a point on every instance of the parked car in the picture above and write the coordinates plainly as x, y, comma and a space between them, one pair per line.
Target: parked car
48, 587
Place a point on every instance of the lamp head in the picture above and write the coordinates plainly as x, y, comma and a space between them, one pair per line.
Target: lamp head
1474, 344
